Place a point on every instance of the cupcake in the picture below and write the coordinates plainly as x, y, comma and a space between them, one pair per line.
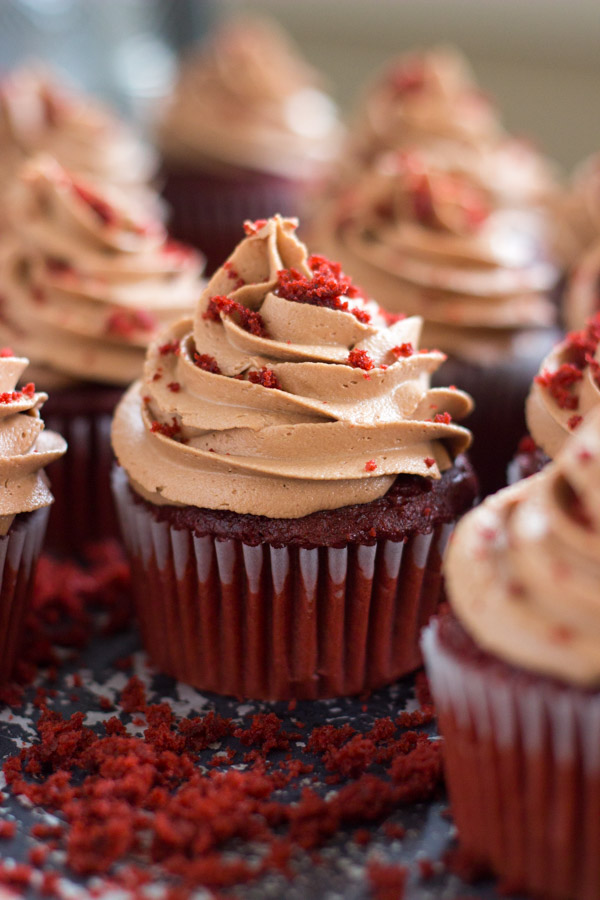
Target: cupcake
247, 130
562, 395
87, 280
430, 241
515, 675
39, 115
287, 481
25, 450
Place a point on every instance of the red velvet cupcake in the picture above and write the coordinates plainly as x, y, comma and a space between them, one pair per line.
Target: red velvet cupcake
288, 482
88, 278
515, 675
25, 450
246, 131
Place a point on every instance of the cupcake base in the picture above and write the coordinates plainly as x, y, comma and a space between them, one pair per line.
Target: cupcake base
208, 209
265, 614
522, 757
83, 510
19, 552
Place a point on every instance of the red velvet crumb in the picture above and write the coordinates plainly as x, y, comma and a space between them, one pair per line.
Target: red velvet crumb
429, 461
326, 288
444, 418
360, 359
174, 386
5, 352
254, 227
403, 350
370, 465
248, 320
169, 347
574, 421
559, 384
169, 431
206, 362
527, 445
387, 881
126, 323
265, 377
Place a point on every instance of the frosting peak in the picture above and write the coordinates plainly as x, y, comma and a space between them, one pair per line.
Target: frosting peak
247, 99
88, 276
523, 570
25, 448
289, 392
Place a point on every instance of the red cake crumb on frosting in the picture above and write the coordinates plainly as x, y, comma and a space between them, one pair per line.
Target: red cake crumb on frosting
370, 465
574, 421
127, 322
360, 359
444, 418
248, 319
403, 350
169, 347
6, 352
429, 461
265, 377
386, 880
559, 384
206, 362
103, 210
326, 288
169, 431
14, 396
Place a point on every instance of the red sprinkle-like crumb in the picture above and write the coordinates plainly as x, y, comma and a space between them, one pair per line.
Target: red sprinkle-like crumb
169, 431
265, 377
102, 209
444, 418
234, 275
6, 352
206, 362
574, 421
326, 288
403, 350
370, 465
7, 830
254, 227
169, 347
360, 359
560, 384
248, 319
527, 445
14, 396
429, 461
174, 386
386, 881
127, 323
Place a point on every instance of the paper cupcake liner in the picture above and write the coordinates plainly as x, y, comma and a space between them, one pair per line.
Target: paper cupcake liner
19, 552
208, 209
83, 510
276, 623
523, 773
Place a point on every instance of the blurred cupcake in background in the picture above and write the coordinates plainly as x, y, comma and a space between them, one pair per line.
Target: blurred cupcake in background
430, 101
247, 130
582, 293
515, 675
581, 204
26, 448
562, 395
430, 240
87, 280
286, 507
40, 115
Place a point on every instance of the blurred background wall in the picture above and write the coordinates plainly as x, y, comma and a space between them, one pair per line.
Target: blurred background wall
539, 58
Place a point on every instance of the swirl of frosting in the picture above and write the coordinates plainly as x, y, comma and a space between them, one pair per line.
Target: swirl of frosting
582, 294
523, 569
38, 115
25, 448
88, 280
247, 99
422, 98
566, 389
287, 394
429, 241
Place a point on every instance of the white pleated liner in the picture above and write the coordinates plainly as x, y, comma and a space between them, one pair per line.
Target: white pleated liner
277, 606
504, 740
19, 552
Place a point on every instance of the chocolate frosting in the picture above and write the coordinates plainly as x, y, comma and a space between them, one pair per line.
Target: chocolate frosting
428, 240
88, 277
25, 448
246, 99
315, 404
523, 569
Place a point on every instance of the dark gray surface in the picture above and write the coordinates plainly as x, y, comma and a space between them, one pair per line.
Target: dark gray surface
342, 872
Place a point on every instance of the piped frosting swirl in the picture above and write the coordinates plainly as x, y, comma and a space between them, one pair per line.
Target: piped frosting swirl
88, 278
523, 569
25, 447
428, 240
287, 394
247, 99
566, 389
